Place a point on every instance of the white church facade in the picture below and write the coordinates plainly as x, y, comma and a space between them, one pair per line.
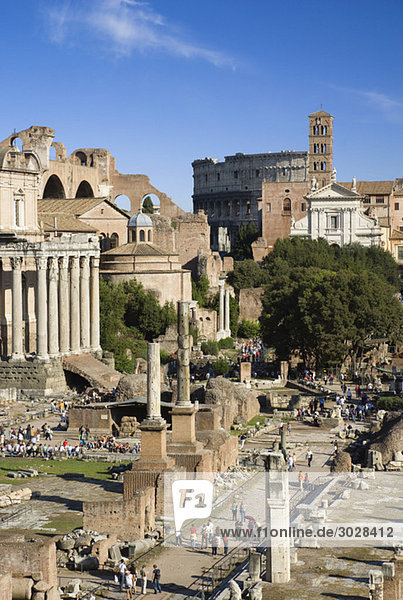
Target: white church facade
336, 214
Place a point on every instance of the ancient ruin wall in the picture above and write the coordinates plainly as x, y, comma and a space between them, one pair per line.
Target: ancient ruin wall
250, 304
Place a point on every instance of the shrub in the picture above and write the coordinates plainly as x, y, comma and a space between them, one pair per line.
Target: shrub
249, 329
221, 367
165, 357
210, 347
390, 403
226, 343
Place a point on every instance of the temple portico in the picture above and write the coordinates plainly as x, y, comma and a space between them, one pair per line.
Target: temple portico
50, 297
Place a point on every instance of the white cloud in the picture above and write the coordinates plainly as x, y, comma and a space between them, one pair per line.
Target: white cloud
127, 26
392, 109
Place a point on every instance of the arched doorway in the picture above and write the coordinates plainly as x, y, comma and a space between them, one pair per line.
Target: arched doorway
54, 188
123, 202
84, 190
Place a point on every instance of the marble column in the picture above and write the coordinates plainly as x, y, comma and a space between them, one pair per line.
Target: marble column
94, 286
75, 305
42, 308
85, 302
221, 307
153, 382
183, 362
17, 351
227, 314
53, 307
64, 309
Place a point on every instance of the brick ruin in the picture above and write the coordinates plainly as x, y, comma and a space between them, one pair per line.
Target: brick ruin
196, 444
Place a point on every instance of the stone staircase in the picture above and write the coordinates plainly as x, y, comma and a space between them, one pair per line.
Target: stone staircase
92, 370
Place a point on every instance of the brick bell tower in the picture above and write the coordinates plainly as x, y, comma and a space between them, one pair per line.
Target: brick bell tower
320, 153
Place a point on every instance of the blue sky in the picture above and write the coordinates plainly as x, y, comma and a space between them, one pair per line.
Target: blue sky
163, 82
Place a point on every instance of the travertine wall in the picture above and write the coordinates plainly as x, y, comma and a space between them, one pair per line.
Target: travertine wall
250, 303
98, 419
128, 519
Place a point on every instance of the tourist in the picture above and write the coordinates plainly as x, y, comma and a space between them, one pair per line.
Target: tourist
309, 456
193, 536
234, 511
214, 545
290, 461
144, 577
156, 579
242, 511
122, 572
130, 581
225, 542
301, 480
204, 540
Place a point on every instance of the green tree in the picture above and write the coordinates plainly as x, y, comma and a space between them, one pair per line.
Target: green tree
221, 367
209, 347
200, 290
247, 274
242, 248
249, 329
148, 206
327, 315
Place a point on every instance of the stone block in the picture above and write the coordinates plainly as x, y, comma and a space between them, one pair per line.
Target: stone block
53, 594
38, 596
114, 553
73, 586
6, 589
41, 586
22, 588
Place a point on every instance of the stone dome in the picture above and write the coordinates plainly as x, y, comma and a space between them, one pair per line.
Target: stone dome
140, 220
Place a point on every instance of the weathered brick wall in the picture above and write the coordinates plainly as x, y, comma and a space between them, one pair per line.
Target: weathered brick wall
24, 558
128, 519
276, 222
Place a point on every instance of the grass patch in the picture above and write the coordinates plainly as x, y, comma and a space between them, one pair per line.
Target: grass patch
64, 523
91, 470
258, 418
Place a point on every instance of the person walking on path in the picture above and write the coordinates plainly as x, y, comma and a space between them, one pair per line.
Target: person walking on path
144, 577
242, 511
193, 536
225, 541
156, 580
301, 480
234, 511
309, 456
122, 572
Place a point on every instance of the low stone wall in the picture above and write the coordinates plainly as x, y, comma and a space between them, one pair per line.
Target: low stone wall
128, 519
234, 401
34, 558
97, 418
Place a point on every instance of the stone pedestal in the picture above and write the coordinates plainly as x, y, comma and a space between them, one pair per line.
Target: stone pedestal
245, 371
255, 565
184, 430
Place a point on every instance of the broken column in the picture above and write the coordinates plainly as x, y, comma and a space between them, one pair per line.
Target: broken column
153, 428
183, 414
277, 518
227, 329
221, 309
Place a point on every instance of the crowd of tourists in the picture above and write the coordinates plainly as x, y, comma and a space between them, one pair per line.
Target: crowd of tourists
252, 350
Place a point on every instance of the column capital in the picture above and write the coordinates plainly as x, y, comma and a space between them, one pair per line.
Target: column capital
84, 261
94, 262
16, 262
41, 262
53, 266
74, 261
64, 262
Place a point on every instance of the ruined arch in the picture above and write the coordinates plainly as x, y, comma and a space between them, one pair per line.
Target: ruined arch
84, 190
82, 158
16, 142
155, 201
123, 202
54, 188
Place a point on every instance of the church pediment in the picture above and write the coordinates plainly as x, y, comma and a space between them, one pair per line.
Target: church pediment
335, 191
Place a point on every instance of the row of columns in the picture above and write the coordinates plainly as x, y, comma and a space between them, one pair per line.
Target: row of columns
67, 305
